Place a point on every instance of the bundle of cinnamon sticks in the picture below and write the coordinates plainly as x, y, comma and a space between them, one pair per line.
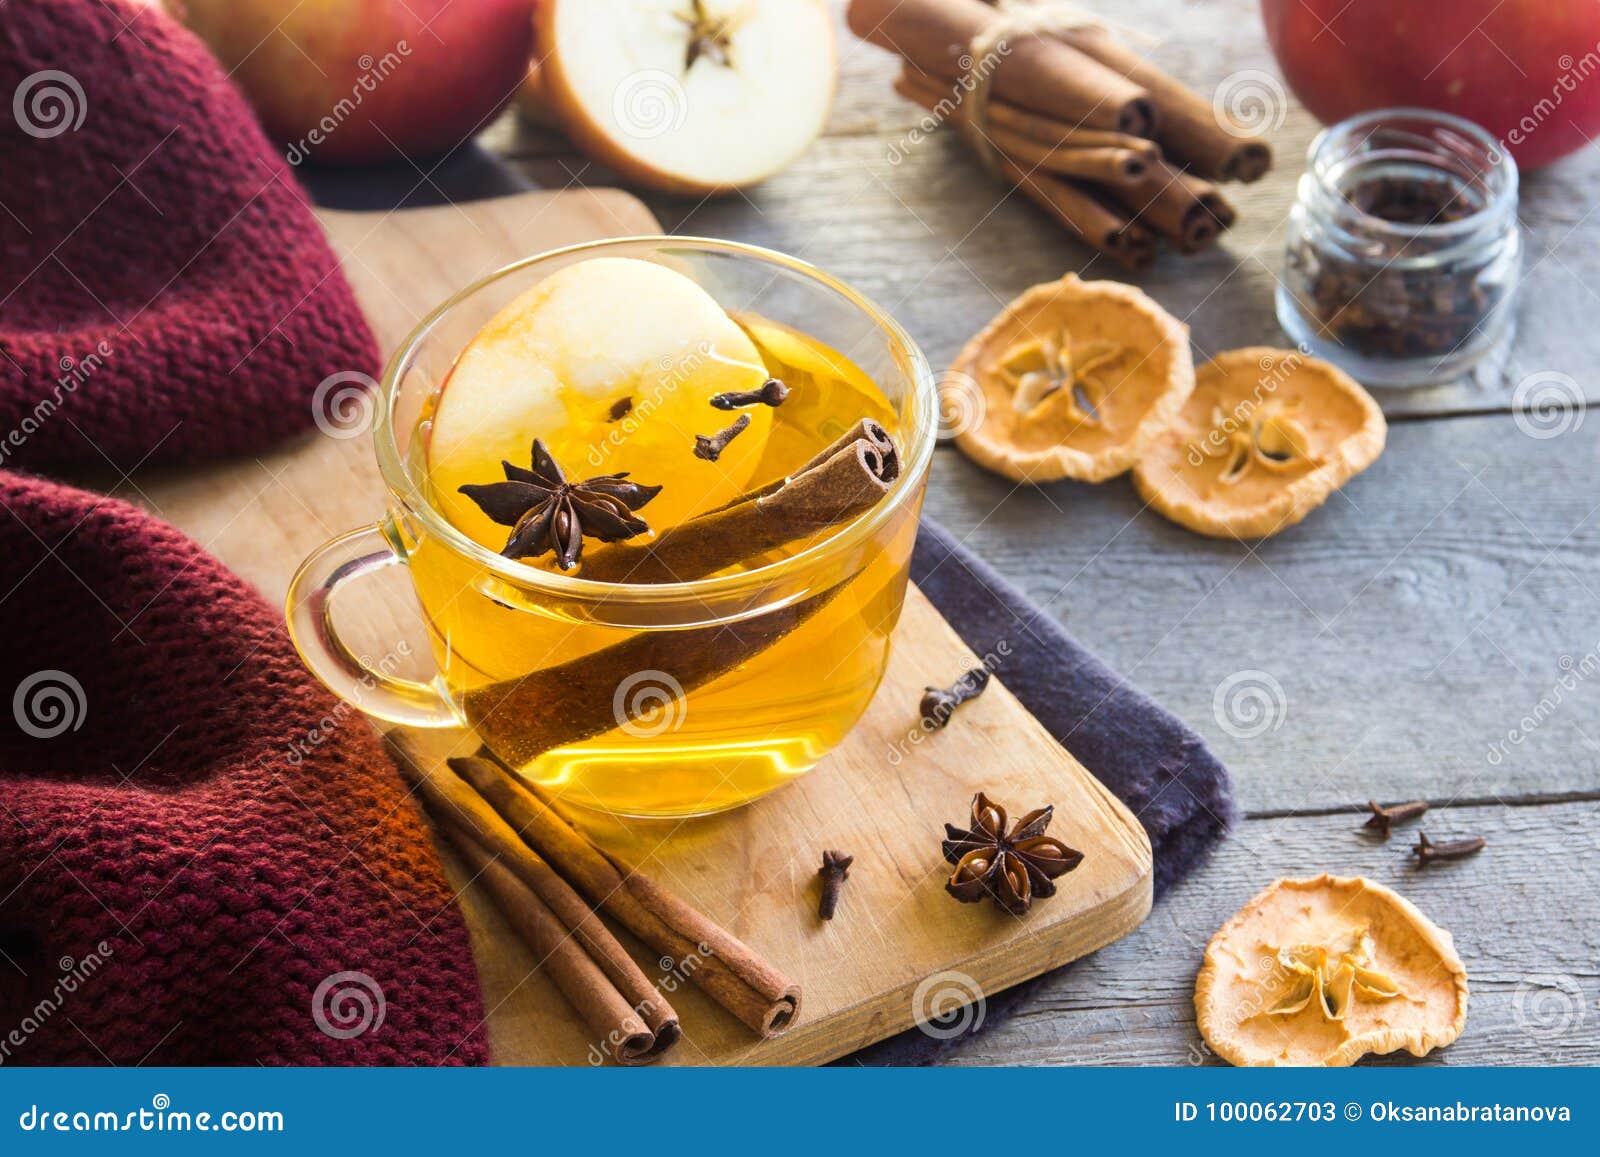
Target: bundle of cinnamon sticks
551, 883
1122, 154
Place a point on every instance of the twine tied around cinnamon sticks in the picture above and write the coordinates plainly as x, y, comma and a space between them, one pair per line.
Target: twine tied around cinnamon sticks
1017, 20
1116, 150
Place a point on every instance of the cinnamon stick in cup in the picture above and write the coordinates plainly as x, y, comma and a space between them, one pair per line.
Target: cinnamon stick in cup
1033, 71
844, 481
459, 810
616, 1024
560, 704
732, 973
1187, 123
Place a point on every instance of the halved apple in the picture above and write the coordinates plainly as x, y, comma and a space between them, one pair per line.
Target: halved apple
689, 96
612, 363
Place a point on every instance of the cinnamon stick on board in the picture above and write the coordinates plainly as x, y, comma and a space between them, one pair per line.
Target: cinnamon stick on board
1109, 162
732, 973
616, 1025
1032, 71
461, 810
1187, 123
844, 481
548, 708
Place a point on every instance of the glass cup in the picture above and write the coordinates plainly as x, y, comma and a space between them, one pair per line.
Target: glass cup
667, 699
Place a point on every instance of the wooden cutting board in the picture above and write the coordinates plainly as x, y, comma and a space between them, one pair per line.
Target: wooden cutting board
899, 949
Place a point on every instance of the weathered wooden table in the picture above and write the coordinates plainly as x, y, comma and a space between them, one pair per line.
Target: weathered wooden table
1433, 629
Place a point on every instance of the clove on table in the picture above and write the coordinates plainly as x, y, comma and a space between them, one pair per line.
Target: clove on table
1385, 816
939, 703
834, 872
1428, 852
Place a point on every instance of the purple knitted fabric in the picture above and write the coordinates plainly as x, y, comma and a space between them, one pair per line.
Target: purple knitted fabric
204, 858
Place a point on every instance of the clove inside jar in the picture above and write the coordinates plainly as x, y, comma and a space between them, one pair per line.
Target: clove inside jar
1403, 252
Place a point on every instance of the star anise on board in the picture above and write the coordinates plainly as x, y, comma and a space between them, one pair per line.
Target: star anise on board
546, 512
1011, 866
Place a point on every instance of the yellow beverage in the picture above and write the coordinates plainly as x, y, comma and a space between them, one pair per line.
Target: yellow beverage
697, 724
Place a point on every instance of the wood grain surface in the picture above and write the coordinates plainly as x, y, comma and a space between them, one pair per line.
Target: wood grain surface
899, 946
1436, 607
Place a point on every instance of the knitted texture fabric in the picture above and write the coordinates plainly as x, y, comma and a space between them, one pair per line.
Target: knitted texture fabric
167, 293
204, 857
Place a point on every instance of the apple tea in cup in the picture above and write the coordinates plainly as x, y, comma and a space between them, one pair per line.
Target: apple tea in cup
658, 530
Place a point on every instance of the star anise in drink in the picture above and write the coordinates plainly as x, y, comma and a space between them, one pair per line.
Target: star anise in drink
546, 512
1011, 866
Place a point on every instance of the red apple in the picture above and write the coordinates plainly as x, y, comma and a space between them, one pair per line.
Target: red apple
367, 80
1528, 71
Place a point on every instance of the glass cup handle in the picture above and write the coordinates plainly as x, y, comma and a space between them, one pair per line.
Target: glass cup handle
310, 615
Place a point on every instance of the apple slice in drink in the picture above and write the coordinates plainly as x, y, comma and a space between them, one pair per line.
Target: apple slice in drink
612, 363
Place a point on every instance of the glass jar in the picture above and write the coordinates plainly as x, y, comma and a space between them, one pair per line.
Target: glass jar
1402, 253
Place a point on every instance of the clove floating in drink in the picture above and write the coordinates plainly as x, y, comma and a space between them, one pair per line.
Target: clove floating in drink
711, 446
771, 393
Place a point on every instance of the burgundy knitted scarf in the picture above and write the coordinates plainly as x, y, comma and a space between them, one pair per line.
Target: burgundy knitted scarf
204, 857
165, 293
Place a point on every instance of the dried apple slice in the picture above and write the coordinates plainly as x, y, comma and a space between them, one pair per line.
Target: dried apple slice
1072, 380
1263, 441
689, 96
1325, 971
